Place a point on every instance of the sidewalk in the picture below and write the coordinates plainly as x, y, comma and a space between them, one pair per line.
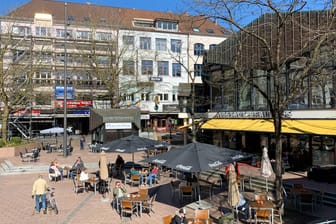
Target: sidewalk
15, 194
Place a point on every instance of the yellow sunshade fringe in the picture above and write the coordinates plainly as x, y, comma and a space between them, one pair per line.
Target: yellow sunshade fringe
316, 127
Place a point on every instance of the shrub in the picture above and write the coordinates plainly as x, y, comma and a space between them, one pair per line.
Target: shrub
2, 143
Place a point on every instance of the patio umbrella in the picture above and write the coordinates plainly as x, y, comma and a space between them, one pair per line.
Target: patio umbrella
266, 167
103, 171
197, 157
131, 144
54, 130
233, 191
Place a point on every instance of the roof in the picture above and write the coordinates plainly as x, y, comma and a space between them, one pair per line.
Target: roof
102, 116
123, 17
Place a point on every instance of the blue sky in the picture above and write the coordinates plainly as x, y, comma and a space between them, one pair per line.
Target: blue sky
177, 6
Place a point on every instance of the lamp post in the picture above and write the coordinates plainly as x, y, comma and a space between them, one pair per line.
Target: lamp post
65, 144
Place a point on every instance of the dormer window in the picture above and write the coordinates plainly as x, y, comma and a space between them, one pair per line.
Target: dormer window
196, 29
146, 23
210, 31
166, 25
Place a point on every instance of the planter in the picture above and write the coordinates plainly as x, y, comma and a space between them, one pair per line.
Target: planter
8, 152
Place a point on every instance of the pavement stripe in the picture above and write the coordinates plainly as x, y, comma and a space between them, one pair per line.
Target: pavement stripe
77, 209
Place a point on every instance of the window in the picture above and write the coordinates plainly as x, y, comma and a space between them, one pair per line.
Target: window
196, 29
42, 31
22, 30
103, 36
147, 67
176, 70
167, 25
198, 49
212, 46
128, 40
145, 96
61, 32
84, 35
175, 45
147, 24
103, 60
128, 67
145, 43
198, 70
163, 68
161, 44
165, 96
210, 31
174, 97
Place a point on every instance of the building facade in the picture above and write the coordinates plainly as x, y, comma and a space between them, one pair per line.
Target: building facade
109, 57
240, 115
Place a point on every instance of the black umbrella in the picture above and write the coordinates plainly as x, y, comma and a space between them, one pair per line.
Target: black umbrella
198, 157
130, 144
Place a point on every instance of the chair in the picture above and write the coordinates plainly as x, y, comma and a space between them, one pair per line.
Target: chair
202, 215
263, 215
305, 200
174, 187
135, 179
278, 212
143, 192
109, 181
78, 185
53, 176
127, 178
127, 207
148, 205
167, 219
24, 158
186, 192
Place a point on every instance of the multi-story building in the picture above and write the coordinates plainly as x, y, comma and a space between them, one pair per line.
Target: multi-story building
110, 57
240, 116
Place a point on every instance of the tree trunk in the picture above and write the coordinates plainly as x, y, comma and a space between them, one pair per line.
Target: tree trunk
278, 157
4, 120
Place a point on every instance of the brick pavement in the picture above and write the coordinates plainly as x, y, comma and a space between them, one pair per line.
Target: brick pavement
15, 195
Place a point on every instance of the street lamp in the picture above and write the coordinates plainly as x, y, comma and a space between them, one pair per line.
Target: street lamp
65, 144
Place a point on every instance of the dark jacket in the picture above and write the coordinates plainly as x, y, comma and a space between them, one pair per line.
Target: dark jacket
178, 220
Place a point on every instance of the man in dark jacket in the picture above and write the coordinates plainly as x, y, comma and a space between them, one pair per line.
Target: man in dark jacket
180, 218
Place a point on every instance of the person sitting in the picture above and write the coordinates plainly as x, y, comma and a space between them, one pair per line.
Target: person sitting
180, 218
54, 171
153, 174
77, 167
243, 206
59, 167
84, 177
119, 192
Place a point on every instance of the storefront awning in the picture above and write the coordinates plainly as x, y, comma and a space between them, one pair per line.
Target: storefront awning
315, 127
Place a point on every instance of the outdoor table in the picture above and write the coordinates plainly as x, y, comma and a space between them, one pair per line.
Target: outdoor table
67, 169
138, 199
266, 205
94, 181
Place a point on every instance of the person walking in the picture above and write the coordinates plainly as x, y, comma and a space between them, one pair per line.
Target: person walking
40, 188
81, 142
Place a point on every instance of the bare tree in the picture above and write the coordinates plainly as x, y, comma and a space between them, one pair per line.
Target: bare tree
15, 72
285, 46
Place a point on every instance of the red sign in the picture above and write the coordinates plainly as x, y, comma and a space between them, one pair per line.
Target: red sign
73, 103
33, 112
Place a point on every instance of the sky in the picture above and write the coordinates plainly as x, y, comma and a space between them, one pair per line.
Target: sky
177, 6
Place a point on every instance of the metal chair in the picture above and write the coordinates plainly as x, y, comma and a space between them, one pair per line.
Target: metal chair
127, 207
186, 192
148, 205
78, 185
202, 215
263, 215
135, 179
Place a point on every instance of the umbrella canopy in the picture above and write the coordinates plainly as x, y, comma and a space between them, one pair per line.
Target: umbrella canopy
266, 167
54, 130
197, 157
130, 144
233, 190
103, 172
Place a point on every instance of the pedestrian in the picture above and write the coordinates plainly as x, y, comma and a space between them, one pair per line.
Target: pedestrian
40, 188
180, 218
81, 142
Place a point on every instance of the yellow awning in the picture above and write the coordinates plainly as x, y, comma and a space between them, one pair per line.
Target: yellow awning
197, 121
316, 127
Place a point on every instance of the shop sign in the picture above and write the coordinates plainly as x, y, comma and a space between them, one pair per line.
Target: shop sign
73, 103
155, 78
126, 125
246, 114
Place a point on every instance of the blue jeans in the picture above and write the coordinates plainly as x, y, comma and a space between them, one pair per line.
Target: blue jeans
151, 177
37, 202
